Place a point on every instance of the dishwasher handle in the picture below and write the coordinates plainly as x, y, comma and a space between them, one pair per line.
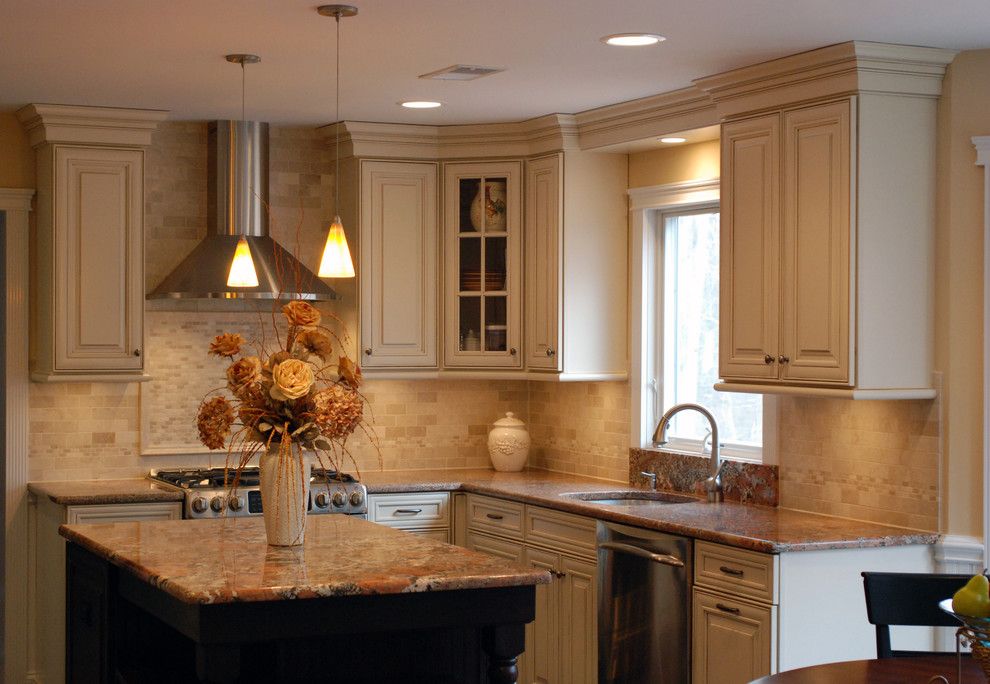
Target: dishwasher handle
664, 558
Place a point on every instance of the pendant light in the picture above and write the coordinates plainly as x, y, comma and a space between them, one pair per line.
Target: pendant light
336, 261
242, 272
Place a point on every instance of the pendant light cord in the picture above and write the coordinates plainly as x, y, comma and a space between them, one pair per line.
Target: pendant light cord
336, 174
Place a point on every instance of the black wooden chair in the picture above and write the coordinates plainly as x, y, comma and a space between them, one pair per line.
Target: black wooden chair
901, 598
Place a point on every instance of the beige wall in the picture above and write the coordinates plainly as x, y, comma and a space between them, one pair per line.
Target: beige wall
699, 161
964, 111
16, 156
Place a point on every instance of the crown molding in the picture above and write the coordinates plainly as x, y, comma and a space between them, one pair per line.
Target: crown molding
549, 133
16, 199
52, 123
677, 110
832, 71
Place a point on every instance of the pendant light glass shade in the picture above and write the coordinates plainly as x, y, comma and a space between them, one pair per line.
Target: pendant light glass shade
336, 261
242, 273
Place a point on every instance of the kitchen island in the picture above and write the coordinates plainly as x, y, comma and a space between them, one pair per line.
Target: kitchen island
210, 600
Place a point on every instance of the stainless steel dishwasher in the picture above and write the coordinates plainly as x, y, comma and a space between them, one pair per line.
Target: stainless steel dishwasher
644, 606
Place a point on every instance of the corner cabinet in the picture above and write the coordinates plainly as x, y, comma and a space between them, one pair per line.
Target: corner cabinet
822, 290
483, 264
398, 280
576, 266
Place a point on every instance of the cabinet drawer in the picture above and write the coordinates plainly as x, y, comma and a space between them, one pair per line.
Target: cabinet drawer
736, 571
436, 533
111, 513
495, 516
511, 551
410, 510
562, 531
732, 639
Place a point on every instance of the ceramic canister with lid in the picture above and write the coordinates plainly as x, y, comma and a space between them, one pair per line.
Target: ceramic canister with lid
508, 444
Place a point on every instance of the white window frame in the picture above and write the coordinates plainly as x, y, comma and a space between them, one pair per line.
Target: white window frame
646, 206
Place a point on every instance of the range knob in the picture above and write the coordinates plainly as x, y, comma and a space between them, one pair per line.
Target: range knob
198, 505
357, 498
322, 500
339, 499
235, 503
216, 503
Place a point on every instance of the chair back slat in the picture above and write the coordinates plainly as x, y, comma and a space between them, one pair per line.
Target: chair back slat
899, 598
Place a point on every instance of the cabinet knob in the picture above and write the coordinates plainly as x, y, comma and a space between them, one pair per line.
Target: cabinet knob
550, 352
137, 352
367, 352
767, 359
783, 359
558, 574
512, 351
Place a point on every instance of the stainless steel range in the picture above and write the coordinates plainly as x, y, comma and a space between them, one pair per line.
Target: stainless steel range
207, 495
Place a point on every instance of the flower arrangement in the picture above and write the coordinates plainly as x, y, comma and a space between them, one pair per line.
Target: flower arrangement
294, 396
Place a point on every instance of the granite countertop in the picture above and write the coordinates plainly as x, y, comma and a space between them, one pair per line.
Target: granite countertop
227, 560
759, 528
92, 492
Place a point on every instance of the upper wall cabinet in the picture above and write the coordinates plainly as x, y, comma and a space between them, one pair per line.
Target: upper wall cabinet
828, 197
576, 259
398, 264
89, 286
483, 264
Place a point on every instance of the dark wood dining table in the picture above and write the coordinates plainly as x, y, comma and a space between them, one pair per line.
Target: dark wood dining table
909, 670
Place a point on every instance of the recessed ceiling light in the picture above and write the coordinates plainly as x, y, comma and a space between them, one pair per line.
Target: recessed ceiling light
672, 140
633, 39
420, 104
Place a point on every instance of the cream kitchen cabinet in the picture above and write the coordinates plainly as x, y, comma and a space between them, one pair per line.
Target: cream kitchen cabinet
89, 244
827, 215
575, 258
47, 568
398, 275
424, 513
561, 643
755, 614
483, 234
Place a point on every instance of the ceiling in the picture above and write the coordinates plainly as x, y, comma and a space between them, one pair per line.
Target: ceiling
156, 55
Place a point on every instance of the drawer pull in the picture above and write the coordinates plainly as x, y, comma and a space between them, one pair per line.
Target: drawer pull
494, 516
407, 511
727, 609
731, 571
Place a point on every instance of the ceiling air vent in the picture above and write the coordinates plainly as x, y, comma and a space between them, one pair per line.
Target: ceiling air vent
461, 72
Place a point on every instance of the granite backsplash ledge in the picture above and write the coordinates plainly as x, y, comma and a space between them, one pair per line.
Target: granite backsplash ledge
752, 483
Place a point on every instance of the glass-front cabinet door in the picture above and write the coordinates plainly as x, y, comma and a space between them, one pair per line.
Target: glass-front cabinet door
482, 247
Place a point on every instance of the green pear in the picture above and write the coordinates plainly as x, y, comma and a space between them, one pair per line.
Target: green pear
973, 599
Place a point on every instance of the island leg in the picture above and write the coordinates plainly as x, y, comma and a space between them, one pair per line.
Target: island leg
218, 664
503, 644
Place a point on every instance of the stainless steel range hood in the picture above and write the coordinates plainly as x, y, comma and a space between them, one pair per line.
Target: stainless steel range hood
238, 195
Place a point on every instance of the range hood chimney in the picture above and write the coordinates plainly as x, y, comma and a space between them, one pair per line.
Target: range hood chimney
238, 195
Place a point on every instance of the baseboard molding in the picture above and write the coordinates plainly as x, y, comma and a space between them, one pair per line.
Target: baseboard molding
959, 554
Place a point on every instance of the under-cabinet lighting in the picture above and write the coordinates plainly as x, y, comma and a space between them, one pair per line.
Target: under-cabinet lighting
633, 39
420, 104
673, 140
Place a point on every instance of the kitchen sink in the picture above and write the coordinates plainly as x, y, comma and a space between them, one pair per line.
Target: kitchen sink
631, 498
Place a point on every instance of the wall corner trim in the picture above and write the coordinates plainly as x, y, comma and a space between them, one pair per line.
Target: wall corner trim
959, 554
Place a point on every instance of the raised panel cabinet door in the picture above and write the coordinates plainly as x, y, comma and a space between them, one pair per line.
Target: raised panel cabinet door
483, 239
99, 259
815, 283
544, 202
540, 663
731, 640
578, 622
749, 249
399, 227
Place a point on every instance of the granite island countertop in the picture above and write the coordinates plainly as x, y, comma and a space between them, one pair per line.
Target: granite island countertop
759, 528
228, 560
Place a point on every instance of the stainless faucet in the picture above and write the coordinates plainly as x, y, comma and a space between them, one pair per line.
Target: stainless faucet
713, 485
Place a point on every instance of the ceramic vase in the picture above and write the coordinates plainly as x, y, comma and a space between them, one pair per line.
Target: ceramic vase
488, 207
508, 444
285, 472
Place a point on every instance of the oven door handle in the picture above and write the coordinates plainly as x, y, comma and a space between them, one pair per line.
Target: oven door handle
663, 558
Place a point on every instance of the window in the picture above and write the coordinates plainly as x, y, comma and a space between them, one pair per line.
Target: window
686, 361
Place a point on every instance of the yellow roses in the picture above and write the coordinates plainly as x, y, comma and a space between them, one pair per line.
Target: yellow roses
291, 379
